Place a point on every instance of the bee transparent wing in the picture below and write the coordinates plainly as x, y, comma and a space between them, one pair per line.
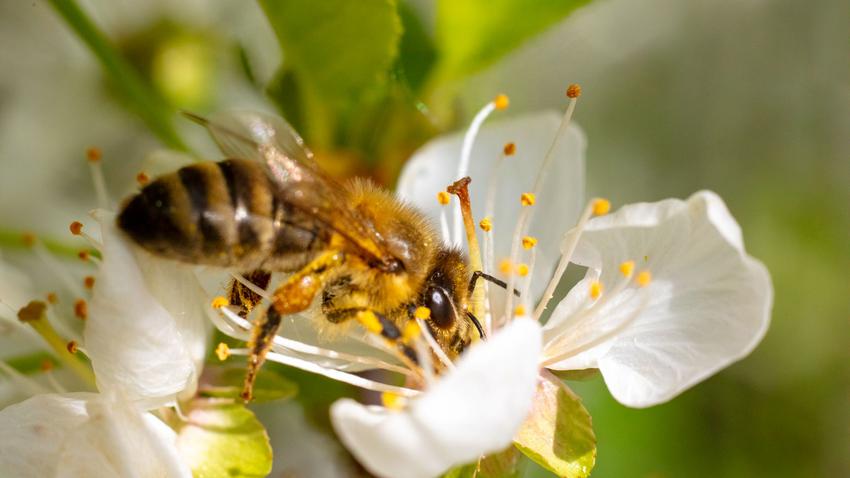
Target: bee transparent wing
271, 140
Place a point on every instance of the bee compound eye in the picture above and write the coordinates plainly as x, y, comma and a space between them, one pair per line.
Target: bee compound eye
438, 301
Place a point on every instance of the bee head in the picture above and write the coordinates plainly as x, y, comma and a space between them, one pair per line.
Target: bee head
444, 294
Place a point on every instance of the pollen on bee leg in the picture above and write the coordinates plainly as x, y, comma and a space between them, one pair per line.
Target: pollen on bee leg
93, 156
222, 351
81, 309
370, 321
644, 278
595, 289
219, 302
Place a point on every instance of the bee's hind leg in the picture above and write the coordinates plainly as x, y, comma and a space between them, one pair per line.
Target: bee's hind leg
292, 296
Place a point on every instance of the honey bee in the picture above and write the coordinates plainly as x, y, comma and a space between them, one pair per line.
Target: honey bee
269, 208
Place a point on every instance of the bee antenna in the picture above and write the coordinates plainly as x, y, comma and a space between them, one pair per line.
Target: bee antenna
481, 275
477, 324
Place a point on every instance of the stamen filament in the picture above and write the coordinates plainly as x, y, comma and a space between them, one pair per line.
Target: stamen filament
35, 315
438, 351
97, 177
568, 247
338, 375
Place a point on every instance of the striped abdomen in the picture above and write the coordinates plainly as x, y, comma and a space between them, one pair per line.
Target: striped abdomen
225, 214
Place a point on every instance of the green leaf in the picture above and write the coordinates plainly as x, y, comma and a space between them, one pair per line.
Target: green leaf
337, 47
151, 107
224, 441
497, 465
558, 433
472, 34
417, 52
226, 382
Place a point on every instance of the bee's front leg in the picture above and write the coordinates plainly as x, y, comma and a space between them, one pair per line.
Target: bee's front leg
293, 296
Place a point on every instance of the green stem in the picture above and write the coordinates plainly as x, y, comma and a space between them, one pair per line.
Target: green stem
143, 99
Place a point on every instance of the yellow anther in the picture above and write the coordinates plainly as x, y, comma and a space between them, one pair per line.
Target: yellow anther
601, 207
88, 282
422, 313
595, 289
644, 278
393, 401
219, 302
370, 321
527, 199
443, 198
501, 101
83, 255
519, 311
627, 268
222, 351
93, 155
52, 298
573, 91
81, 309
509, 149
142, 178
76, 228
522, 270
71, 347
486, 224
411, 331
505, 266
528, 242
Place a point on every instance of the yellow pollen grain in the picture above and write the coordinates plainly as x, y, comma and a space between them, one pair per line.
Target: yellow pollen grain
219, 302
76, 228
505, 266
601, 207
573, 91
392, 401
527, 199
88, 282
595, 289
529, 242
411, 331
370, 321
93, 155
519, 311
644, 278
422, 313
486, 224
81, 309
522, 270
443, 198
222, 351
509, 149
83, 255
627, 268
501, 101
71, 347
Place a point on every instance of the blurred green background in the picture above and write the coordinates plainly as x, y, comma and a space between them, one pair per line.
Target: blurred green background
749, 98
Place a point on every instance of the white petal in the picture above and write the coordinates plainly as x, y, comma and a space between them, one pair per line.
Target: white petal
708, 304
558, 206
475, 409
135, 344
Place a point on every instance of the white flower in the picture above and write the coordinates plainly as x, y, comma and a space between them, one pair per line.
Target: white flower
86, 435
147, 330
705, 303
472, 410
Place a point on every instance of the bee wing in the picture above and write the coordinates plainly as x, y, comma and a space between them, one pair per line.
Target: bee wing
271, 140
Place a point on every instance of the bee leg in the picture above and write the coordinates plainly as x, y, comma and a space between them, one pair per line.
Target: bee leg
243, 297
293, 296
378, 324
